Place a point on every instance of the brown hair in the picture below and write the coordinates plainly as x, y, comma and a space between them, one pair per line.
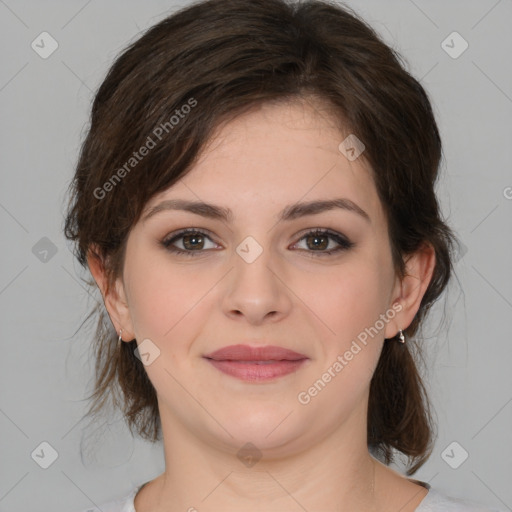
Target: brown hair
208, 63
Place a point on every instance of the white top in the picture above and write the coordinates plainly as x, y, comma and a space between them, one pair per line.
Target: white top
433, 501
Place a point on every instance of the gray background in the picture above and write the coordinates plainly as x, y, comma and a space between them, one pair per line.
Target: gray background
45, 369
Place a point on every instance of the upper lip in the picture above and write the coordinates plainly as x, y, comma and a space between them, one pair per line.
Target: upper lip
248, 353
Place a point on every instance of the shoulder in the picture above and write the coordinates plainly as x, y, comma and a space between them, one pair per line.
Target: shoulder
122, 504
436, 501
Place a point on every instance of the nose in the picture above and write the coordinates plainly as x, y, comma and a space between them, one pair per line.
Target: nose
256, 290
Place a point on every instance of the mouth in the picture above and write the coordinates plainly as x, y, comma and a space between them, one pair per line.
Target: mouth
256, 363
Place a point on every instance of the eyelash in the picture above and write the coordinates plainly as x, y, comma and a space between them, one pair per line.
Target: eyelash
344, 243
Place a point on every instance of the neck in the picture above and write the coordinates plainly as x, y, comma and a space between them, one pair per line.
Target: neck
336, 473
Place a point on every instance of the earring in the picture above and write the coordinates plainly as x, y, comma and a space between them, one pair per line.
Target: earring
119, 340
401, 337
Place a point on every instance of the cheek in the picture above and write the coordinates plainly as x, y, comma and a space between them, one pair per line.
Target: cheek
351, 303
160, 295
170, 304
350, 300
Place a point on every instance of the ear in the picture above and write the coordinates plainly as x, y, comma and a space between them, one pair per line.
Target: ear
409, 290
114, 297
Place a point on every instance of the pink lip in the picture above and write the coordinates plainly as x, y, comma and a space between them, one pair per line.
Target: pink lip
252, 363
248, 353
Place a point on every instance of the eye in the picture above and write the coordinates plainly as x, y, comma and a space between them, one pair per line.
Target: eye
319, 239
193, 241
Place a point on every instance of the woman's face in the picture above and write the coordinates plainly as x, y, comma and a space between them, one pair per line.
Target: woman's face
256, 279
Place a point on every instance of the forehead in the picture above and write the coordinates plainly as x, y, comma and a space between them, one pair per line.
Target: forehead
274, 155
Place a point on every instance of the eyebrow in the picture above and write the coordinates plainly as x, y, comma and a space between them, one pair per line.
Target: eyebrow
289, 213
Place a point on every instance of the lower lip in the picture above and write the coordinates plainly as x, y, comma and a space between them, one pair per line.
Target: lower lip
257, 371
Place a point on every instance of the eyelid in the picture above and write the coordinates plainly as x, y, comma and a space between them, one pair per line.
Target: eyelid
325, 230
181, 232
344, 243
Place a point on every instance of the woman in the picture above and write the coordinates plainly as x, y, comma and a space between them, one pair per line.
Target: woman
255, 201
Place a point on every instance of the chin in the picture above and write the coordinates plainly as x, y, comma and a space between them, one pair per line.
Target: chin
265, 430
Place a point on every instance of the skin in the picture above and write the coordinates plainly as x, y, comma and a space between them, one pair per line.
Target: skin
314, 456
